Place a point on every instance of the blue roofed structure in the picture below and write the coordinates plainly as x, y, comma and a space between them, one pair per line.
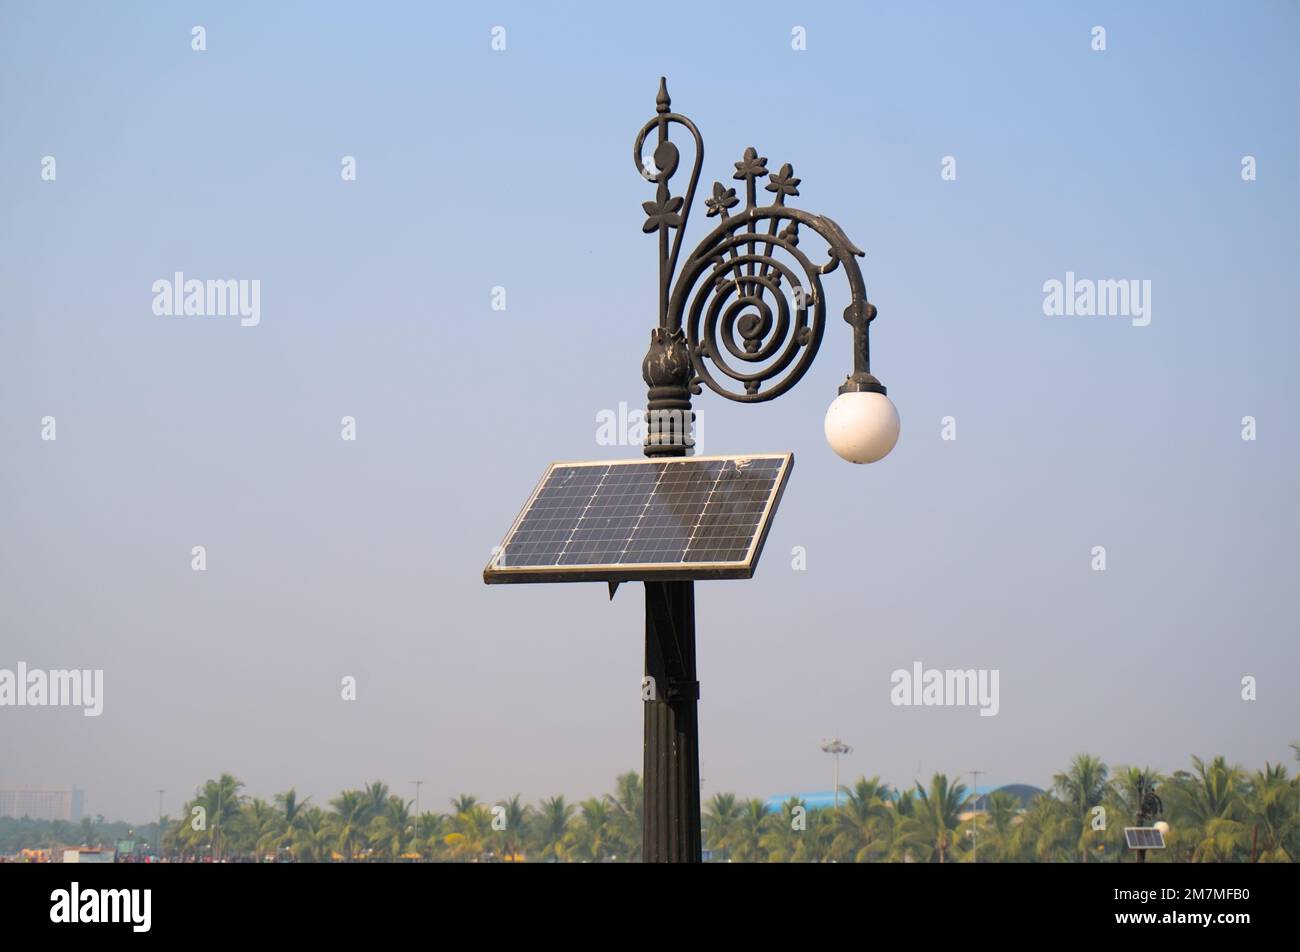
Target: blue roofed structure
1023, 792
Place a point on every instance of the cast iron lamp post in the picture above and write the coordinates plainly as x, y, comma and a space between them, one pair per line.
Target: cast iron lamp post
1149, 805
745, 318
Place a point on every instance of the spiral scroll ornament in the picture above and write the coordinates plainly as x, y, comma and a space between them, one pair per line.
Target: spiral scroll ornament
749, 299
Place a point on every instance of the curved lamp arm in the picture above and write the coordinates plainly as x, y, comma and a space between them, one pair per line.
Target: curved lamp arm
746, 315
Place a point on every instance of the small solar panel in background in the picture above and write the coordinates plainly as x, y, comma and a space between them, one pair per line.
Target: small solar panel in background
1144, 838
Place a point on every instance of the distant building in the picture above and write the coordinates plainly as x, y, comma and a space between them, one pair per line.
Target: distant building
1023, 793
42, 803
84, 854
811, 801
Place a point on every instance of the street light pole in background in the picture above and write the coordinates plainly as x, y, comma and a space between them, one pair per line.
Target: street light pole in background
1149, 805
974, 830
158, 846
837, 747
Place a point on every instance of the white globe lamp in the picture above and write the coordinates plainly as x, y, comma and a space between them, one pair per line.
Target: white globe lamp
862, 426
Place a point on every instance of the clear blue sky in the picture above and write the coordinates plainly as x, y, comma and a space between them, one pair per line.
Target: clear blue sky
479, 169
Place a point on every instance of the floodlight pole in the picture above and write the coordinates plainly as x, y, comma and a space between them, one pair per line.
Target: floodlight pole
757, 319
837, 747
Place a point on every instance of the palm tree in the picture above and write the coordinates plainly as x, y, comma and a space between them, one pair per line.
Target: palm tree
348, 822
309, 839
721, 815
463, 804
256, 829
1045, 833
1081, 789
174, 840
471, 833
291, 817
218, 802
291, 806
936, 814
815, 842
1210, 810
628, 814
780, 839
431, 831
390, 829
589, 838
515, 814
993, 829
905, 839
744, 844
550, 826
1271, 807
862, 823
376, 797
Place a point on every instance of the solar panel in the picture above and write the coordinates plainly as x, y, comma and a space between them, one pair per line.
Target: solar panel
687, 518
1144, 838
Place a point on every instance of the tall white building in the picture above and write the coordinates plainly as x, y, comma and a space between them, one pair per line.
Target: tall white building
42, 803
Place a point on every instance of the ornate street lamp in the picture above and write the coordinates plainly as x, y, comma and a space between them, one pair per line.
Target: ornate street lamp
1149, 805
717, 323
744, 317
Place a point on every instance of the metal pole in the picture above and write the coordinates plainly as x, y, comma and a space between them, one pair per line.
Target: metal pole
835, 747
672, 737
1144, 813
158, 845
671, 764
1142, 816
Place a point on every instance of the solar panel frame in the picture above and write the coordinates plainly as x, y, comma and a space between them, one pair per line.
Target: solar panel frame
1144, 838
743, 567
